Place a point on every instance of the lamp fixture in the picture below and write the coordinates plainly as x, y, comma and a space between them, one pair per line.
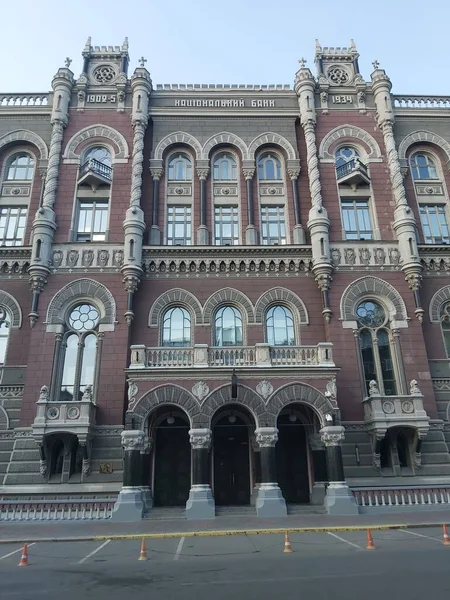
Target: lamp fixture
292, 417
232, 418
170, 419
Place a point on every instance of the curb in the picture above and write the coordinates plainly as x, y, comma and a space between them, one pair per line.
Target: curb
218, 533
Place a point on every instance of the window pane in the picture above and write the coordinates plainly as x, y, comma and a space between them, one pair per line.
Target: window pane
177, 327
88, 366
179, 225
387, 367
228, 327
280, 327
4, 333
70, 362
226, 225
368, 358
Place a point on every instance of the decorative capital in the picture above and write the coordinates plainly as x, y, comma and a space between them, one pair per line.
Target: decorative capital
324, 281
157, 173
131, 283
266, 437
293, 172
37, 283
332, 435
248, 172
200, 438
414, 281
202, 173
133, 439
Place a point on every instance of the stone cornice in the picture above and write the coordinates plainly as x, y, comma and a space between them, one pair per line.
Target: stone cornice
218, 373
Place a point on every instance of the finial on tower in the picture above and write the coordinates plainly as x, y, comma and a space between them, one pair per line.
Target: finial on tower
125, 45
67, 62
375, 64
302, 62
142, 61
352, 46
318, 46
87, 46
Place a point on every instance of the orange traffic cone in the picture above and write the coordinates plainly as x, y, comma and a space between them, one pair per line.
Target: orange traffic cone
446, 540
24, 557
287, 543
143, 553
370, 544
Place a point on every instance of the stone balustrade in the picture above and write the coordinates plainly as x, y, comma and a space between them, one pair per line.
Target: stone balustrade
419, 102
23, 100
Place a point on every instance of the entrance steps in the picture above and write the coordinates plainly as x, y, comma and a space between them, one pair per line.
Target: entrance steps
178, 513
235, 511
305, 509
166, 513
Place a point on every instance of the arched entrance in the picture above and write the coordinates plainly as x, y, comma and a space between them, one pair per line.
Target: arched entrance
171, 457
232, 426
294, 463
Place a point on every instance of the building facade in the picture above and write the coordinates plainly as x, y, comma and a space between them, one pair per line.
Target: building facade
221, 295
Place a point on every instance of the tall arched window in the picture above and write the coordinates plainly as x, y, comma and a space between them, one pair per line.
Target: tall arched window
423, 167
228, 327
269, 167
445, 326
225, 167
375, 347
80, 352
280, 326
176, 327
20, 167
5, 323
180, 168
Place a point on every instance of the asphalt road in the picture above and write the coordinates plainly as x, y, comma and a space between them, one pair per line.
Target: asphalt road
405, 564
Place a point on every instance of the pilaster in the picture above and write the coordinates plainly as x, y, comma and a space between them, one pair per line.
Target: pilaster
269, 502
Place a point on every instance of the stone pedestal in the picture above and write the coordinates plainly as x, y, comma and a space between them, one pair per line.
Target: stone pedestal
202, 236
299, 235
318, 494
339, 499
130, 504
269, 502
155, 236
200, 504
251, 236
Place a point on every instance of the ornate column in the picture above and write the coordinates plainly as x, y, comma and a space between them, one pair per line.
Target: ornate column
44, 224
155, 232
200, 504
318, 223
320, 468
270, 501
339, 499
404, 221
130, 506
299, 232
251, 234
202, 231
134, 225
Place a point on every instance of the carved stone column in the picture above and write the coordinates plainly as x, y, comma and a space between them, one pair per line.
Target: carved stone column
318, 223
251, 233
404, 221
155, 232
270, 501
339, 499
298, 233
200, 504
202, 231
130, 506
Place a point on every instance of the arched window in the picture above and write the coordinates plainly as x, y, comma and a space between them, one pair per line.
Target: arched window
345, 155
280, 326
176, 327
4, 334
225, 168
269, 167
99, 154
180, 168
375, 347
423, 167
20, 167
445, 326
228, 327
80, 352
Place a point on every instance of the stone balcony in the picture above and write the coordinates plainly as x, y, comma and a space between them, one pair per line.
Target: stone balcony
352, 173
259, 356
383, 412
76, 417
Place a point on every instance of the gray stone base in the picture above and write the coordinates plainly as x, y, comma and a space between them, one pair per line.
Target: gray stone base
155, 236
147, 498
318, 494
251, 236
254, 494
129, 506
270, 501
201, 503
299, 235
202, 236
339, 499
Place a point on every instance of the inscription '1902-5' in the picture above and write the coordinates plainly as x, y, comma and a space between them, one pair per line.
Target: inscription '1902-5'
222, 103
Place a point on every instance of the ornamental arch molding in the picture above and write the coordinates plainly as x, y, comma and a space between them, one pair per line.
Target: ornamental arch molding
422, 136
301, 393
227, 139
82, 290
375, 288
171, 298
246, 398
272, 139
165, 395
441, 297
4, 419
228, 296
23, 135
348, 133
280, 296
98, 132
12, 307
179, 137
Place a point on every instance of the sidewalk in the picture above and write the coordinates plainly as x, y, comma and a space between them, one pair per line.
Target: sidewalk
19, 532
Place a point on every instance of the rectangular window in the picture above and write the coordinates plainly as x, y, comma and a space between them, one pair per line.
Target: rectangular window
273, 225
179, 225
226, 227
92, 220
12, 225
434, 223
356, 220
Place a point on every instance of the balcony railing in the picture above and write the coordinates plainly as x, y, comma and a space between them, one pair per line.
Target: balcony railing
96, 167
23, 100
260, 355
418, 102
349, 167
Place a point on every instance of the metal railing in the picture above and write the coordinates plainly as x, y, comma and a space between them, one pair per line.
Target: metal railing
95, 166
45, 510
352, 165
23, 100
429, 102
170, 357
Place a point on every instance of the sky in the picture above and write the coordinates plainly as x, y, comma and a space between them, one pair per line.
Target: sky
228, 41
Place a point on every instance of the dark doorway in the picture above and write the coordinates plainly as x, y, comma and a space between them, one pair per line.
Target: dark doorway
291, 460
231, 462
172, 463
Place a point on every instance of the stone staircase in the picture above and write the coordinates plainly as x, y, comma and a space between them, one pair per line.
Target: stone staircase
178, 512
